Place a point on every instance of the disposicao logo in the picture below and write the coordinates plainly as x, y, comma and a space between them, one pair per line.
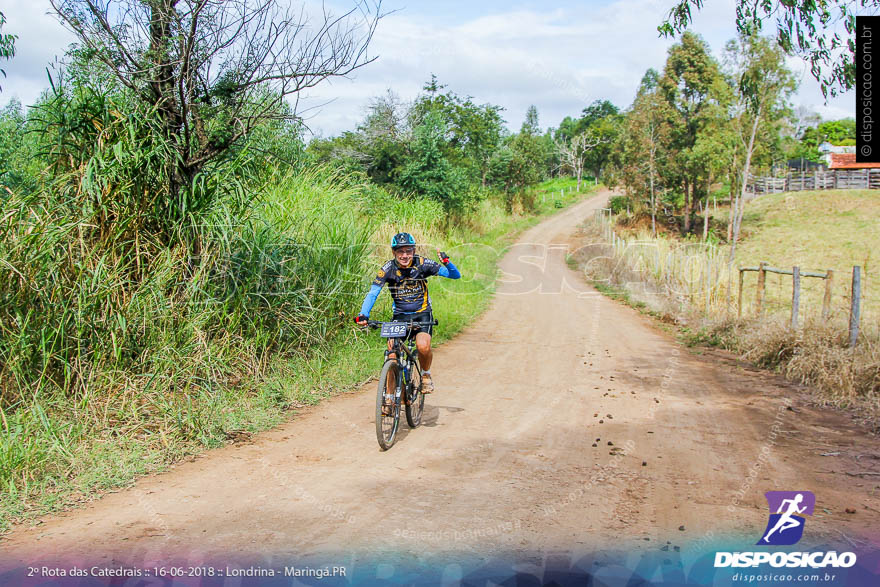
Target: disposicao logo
784, 528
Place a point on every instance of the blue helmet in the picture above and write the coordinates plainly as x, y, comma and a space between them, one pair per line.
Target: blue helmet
402, 239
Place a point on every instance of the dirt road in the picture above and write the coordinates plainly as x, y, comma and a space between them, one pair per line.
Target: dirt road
561, 420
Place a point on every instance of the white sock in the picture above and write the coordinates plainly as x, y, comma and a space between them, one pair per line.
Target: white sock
428, 372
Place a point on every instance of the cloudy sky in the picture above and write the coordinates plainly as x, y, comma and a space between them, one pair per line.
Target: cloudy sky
559, 56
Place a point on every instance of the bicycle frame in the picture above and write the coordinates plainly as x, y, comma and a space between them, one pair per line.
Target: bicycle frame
398, 345
407, 348
405, 353
405, 392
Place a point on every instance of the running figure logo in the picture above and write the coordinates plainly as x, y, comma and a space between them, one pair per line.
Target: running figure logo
786, 525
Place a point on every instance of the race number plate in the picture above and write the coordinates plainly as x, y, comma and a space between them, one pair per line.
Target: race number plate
393, 329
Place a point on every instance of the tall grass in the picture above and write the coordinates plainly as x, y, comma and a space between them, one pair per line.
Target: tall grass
699, 275
125, 346
692, 273
97, 341
687, 283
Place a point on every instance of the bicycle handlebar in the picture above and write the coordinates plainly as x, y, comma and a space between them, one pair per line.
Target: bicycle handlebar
378, 323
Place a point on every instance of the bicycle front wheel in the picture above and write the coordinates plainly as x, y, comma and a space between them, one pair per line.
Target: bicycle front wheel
387, 423
415, 397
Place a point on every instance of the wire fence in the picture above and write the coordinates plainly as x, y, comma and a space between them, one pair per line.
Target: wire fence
699, 275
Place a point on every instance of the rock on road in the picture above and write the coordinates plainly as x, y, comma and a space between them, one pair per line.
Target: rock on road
561, 420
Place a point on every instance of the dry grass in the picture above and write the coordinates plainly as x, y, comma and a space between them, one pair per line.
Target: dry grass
815, 230
816, 354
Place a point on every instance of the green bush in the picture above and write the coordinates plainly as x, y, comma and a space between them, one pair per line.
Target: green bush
429, 174
617, 204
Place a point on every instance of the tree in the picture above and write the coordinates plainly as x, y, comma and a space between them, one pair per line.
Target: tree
649, 81
604, 131
650, 133
429, 174
591, 115
512, 172
801, 28
573, 154
530, 125
601, 120
480, 127
763, 86
386, 118
568, 128
533, 151
598, 110
837, 132
520, 162
215, 70
383, 138
473, 130
641, 147
7, 43
803, 118
713, 150
689, 85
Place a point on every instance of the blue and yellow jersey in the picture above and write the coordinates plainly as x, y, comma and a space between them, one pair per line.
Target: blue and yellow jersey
408, 285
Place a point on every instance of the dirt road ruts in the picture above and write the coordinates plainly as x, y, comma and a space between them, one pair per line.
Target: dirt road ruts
561, 420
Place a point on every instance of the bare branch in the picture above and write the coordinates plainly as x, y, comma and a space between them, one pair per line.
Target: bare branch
218, 69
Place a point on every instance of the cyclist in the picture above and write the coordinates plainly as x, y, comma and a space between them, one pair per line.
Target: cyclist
406, 275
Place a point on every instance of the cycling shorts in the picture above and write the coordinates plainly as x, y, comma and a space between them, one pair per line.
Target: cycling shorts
426, 318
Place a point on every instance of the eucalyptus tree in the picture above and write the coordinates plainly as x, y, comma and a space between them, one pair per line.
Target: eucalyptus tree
763, 85
7, 43
809, 29
690, 86
642, 148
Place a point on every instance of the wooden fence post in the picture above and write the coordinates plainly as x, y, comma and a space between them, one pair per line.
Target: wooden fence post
739, 310
795, 295
854, 308
759, 294
826, 301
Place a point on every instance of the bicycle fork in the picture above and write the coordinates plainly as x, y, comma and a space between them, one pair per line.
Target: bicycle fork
401, 384
393, 400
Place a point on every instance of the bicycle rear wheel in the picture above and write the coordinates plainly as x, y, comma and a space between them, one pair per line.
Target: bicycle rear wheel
386, 426
416, 403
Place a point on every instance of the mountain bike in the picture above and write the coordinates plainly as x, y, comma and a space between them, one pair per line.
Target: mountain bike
399, 380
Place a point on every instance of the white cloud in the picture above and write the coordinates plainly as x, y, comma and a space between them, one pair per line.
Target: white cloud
560, 58
40, 39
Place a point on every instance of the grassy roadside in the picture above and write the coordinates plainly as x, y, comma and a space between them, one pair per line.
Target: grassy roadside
815, 230
816, 354
96, 460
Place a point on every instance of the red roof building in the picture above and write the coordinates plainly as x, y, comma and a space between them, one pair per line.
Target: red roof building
848, 161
